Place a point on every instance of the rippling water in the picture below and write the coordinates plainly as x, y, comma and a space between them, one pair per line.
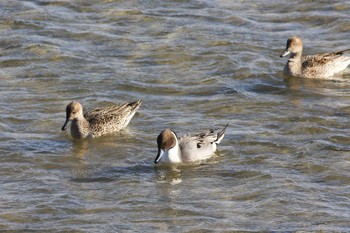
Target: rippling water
284, 164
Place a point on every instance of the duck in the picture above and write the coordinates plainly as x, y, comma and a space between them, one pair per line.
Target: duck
99, 121
321, 66
188, 148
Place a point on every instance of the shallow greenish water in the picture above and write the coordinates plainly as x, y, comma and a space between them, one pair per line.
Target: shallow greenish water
284, 164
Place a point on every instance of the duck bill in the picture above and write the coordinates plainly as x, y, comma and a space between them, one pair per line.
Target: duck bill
285, 53
64, 127
159, 156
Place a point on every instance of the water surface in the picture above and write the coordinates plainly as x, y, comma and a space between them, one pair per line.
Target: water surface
283, 165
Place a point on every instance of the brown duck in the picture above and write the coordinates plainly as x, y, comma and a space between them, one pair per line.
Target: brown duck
320, 66
98, 121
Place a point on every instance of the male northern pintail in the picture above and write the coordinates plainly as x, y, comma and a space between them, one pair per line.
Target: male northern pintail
98, 121
188, 148
313, 66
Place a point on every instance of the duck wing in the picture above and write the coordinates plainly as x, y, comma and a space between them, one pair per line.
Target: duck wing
201, 145
321, 59
114, 116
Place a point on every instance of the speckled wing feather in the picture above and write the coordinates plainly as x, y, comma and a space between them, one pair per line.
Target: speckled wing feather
109, 119
320, 64
322, 59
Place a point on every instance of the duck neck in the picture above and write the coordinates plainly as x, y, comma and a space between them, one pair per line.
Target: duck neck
174, 154
294, 66
80, 128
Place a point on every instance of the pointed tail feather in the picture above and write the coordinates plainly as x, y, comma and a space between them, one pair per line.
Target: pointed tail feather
131, 112
221, 135
135, 105
342, 51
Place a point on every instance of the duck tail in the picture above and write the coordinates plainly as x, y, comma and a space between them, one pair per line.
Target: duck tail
135, 105
343, 51
221, 135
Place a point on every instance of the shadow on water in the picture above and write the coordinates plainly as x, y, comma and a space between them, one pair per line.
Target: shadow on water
316, 84
84, 173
